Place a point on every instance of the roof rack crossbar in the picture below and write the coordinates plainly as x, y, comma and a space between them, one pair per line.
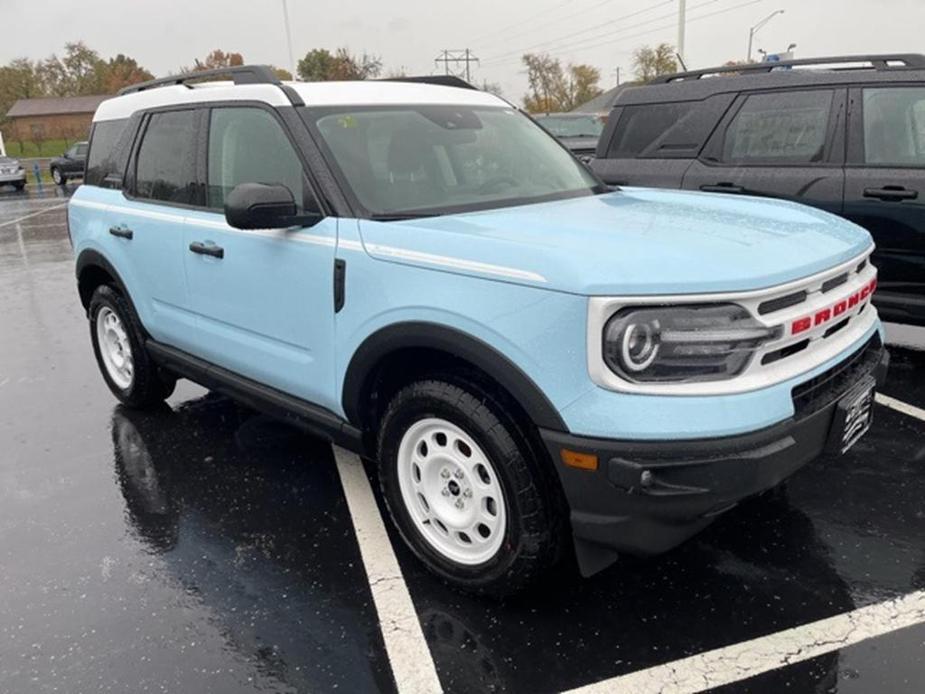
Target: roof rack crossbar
240, 74
909, 61
442, 80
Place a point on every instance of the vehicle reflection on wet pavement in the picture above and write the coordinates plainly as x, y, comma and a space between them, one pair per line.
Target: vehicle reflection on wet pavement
205, 547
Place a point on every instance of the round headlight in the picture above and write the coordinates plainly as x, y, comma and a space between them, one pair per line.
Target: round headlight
639, 346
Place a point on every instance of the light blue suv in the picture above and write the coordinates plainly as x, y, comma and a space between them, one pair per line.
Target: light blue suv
540, 365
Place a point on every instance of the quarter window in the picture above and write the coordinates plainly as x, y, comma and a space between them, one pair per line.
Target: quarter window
105, 157
166, 168
894, 126
779, 128
248, 145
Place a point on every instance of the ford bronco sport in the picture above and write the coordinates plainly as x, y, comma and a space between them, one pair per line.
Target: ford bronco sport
422, 274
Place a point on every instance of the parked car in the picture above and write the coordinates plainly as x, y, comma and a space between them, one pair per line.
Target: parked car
70, 164
577, 131
844, 134
12, 173
422, 274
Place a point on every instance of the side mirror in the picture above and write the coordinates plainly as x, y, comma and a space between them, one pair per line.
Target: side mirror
262, 206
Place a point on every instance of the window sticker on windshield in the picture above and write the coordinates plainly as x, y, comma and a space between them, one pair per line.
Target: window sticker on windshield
347, 122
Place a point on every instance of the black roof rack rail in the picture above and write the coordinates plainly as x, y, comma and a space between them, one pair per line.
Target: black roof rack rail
241, 74
907, 61
441, 80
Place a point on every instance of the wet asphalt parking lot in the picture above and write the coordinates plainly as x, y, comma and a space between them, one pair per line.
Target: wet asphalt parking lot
207, 548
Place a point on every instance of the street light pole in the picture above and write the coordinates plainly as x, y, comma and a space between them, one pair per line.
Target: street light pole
755, 29
289, 39
682, 21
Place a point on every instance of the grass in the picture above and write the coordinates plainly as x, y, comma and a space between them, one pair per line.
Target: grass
48, 148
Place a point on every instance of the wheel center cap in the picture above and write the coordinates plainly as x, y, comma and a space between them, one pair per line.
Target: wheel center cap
453, 487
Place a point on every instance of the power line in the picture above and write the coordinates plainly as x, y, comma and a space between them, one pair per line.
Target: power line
576, 48
522, 22
596, 27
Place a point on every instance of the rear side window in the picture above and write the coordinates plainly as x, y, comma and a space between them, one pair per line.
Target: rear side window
166, 163
785, 128
894, 126
640, 126
248, 145
105, 156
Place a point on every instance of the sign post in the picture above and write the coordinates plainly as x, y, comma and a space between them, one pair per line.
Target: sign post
2, 146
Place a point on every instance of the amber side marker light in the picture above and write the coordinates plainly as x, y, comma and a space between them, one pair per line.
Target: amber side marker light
582, 461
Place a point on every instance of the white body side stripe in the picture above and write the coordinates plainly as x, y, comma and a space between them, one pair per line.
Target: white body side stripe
412, 256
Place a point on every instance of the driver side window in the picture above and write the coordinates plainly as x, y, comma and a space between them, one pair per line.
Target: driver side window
248, 145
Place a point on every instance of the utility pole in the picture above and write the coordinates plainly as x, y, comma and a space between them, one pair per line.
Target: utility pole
289, 39
618, 75
682, 25
456, 57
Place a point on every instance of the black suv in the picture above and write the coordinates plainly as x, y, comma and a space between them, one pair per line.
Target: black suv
70, 164
845, 134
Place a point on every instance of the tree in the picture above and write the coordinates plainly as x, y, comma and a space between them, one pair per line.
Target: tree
79, 72
649, 63
18, 80
281, 73
120, 72
215, 60
320, 65
553, 88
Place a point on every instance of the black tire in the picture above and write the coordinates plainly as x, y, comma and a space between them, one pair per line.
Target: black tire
534, 515
149, 385
20, 186
58, 177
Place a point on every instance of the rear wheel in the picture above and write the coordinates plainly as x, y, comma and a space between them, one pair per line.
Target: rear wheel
58, 177
465, 489
19, 186
118, 343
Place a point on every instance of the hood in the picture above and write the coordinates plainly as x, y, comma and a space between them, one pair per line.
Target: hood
631, 242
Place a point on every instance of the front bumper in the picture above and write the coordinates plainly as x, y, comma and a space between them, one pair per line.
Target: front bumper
646, 497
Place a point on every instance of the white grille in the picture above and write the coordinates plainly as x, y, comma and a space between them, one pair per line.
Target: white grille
786, 357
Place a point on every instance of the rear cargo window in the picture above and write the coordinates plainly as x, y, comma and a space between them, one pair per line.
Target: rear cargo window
105, 156
640, 126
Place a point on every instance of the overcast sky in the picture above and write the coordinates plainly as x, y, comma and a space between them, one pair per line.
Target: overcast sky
167, 34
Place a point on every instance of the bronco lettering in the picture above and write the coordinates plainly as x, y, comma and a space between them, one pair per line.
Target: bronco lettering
825, 315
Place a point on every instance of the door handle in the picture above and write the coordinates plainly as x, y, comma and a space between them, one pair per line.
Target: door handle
891, 193
722, 188
122, 232
207, 249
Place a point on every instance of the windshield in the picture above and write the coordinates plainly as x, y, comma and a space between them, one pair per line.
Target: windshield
572, 126
432, 159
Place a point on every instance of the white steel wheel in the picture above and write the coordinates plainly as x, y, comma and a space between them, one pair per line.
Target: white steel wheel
115, 348
451, 491
57, 177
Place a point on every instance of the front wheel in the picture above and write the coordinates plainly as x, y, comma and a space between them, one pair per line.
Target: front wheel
118, 344
465, 488
58, 177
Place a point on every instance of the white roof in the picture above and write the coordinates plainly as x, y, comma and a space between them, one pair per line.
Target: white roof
370, 93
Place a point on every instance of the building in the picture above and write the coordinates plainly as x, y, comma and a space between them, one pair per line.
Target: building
52, 118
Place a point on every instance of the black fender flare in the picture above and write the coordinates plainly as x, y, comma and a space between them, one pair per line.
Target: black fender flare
419, 334
91, 258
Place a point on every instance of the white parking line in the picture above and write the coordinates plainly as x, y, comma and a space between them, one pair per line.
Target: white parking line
900, 406
409, 655
34, 214
749, 658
